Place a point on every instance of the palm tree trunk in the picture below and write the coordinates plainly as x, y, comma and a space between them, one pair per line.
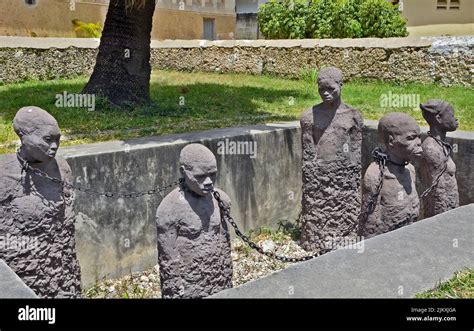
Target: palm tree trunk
122, 70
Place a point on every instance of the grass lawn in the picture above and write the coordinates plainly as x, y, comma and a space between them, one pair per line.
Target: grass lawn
200, 101
460, 286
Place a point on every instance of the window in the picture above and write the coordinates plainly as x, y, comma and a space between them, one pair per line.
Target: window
454, 4
30, 2
208, 29
448, 4
442, 4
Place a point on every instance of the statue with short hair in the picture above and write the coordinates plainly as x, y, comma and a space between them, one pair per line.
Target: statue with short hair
397, 203
194, 252
437, 160
331, 136
36, 214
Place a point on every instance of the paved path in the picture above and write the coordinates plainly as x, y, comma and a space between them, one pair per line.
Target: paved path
11, 286
398, 264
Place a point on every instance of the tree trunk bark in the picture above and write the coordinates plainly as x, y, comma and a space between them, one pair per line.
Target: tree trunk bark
122, 70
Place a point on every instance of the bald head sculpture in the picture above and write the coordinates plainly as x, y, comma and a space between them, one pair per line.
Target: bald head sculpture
193, 240
39, 134
400, 134
39, 208
397, 203
439, 114
198, 167
437, 159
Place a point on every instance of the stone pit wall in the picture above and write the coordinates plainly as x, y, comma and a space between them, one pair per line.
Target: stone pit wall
443, 60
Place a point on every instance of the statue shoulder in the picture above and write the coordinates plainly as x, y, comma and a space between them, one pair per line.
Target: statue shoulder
372, 176
64, 167
412, 169
432, 151
9, 162
224, 197
307, 117
10, 174
168, 209
354, 113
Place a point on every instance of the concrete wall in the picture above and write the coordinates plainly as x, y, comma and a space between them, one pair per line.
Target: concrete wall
173, 19
246, 26
443, 60
117, 236
248, 6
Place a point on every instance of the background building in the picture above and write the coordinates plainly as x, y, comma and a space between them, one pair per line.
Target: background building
246, 19
173, 19
427, 12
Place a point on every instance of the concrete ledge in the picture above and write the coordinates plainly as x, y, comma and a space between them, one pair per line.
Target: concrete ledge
46, 43
397, 264
27, 42
11, 286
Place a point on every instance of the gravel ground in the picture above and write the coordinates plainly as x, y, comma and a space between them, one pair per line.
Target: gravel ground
248, 265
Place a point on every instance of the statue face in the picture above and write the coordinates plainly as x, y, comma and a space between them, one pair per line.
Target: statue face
200, 179
447, 121
407, 145
41, 145
329, 91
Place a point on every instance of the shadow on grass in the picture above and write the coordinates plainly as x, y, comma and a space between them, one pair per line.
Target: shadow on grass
172, 105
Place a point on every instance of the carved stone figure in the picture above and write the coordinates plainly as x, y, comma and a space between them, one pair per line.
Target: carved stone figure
194, 251
437, 159
36, 214
397, 204
331, 141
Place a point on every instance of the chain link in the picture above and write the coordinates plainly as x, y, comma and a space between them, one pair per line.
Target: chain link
447, 151
225, 213
381, 160
126, 195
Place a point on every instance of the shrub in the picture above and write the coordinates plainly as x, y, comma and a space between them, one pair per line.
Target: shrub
87, 30
292, 19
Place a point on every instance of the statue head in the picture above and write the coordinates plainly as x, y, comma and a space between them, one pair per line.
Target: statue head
39, 134
439, 114
330, 84
198, 167
400, 134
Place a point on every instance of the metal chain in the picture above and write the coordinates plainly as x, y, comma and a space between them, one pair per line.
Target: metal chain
379, 157
447, 153
225, 214
127, 195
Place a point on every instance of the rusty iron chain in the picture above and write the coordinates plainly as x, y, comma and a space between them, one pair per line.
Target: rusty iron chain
447, 150
126, 195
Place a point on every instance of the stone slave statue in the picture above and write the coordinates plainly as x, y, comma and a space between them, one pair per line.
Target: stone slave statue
331, 135
397, 204
437, 161
36, 214
193, 241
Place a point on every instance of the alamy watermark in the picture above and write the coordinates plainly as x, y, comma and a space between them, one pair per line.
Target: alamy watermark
229, 147
345, 243
395, 100
17, 243
75, 100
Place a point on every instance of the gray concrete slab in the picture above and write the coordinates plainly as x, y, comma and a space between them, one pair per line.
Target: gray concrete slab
11, 286
398, 264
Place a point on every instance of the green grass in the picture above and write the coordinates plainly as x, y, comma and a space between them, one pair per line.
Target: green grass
460, 286
211, 100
